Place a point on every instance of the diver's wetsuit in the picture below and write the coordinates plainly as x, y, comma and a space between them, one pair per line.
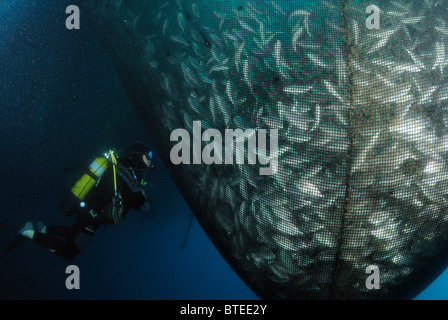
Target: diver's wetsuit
68, 241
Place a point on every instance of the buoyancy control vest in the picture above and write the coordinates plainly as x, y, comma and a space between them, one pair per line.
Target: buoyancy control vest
112, 212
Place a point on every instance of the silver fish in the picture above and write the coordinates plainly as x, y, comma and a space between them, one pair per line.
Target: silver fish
181, 21
165, 27
296, 89
195, 10
179, 39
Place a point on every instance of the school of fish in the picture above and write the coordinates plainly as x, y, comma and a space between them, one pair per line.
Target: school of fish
362, 118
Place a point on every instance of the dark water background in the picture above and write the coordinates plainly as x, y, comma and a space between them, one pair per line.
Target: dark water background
60, 105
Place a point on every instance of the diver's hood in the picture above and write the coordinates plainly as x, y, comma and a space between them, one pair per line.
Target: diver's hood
133, 161
134, 156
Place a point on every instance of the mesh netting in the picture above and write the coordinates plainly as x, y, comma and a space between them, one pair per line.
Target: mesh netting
361, 116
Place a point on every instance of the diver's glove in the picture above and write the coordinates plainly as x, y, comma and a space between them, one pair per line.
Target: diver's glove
145, 206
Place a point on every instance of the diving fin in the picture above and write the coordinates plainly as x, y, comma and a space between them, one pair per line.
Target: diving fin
16, 242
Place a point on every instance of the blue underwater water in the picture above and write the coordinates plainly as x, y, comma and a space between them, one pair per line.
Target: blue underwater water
61, 104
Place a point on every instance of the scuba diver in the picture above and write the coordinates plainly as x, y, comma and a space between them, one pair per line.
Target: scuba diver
106, 192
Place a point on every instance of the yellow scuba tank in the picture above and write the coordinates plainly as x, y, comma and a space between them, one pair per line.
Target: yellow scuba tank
90, 178
74, 199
